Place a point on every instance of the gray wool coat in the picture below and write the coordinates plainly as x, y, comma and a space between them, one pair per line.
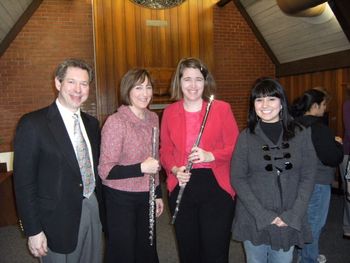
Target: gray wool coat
282, 192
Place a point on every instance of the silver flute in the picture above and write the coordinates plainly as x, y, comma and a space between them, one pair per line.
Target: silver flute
152, 185
189, 163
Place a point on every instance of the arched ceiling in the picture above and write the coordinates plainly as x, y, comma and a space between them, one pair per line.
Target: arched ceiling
296, 43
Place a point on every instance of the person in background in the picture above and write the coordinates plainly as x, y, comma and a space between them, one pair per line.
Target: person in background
308, 111
272, 171
202, 226
125, 168
342, 167
56, 151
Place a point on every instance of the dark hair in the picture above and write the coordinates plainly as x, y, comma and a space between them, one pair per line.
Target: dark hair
62, 68
304, 103
268, 87
132, 78
209, 82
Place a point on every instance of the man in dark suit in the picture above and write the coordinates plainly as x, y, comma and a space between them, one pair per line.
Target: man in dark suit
58, 190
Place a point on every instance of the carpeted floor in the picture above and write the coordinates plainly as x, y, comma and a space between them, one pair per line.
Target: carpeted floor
337, 250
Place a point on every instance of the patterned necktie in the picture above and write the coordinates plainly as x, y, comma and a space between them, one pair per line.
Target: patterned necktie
83, 159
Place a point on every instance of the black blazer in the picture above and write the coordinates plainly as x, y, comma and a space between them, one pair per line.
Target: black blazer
48, 184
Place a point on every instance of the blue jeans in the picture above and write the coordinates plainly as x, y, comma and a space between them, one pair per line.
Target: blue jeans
317, 215
265, 254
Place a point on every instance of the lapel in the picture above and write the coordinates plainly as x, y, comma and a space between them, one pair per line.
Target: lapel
60, 134
179, 120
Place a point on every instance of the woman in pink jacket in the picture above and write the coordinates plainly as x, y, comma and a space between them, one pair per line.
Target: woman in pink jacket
203, 223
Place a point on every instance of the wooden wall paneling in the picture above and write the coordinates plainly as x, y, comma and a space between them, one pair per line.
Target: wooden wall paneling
320, 79
202, 35
105, 92
147, 48
331, 81
346, 77
290, 84
207, 29
164, 39
184, 36
130, 35
139, 40
120, 48
194, 28
155, 40
174, 36
308, 82
114, 44
156, 45
123, 40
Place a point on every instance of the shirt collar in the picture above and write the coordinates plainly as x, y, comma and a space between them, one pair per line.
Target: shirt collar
64, 111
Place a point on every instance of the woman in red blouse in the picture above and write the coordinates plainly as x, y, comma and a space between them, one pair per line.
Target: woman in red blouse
204, 220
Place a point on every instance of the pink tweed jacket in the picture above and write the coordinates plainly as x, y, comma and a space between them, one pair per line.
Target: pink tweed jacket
126, 140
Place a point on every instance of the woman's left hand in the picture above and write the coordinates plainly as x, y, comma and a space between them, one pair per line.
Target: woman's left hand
199, 155
159, 206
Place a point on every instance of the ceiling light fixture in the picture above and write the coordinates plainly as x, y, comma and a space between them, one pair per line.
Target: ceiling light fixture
326, 15
158, 4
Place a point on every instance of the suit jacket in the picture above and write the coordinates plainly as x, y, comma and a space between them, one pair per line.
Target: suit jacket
48, 183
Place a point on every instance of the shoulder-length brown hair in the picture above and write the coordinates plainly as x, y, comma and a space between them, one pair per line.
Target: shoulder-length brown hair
132, 78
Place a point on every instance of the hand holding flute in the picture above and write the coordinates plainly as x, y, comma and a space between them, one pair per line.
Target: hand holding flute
197, 155
150, 166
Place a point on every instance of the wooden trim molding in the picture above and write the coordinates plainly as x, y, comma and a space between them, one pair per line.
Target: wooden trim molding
321, 63
222, 3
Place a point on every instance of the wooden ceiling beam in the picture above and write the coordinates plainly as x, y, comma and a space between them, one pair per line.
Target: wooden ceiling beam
315, 64
222, 3
11, 35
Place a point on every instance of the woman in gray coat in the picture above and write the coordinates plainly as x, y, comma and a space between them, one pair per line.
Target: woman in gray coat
272, 171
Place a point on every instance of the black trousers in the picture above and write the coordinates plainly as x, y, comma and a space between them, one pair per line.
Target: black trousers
128, 228
203, 223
